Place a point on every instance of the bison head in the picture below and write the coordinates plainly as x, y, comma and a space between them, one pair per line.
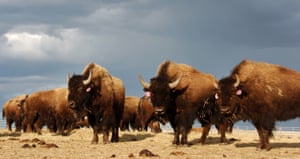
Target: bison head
81, 90
162, 92
229, 95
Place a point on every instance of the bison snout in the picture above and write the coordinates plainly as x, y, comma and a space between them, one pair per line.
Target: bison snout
225, 110
71, 104
159, 111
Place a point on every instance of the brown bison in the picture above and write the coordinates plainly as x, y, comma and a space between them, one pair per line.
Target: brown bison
12, 112
49, 108
65, 120
101, 96
146, 115
262, 93
130, 114
181, 93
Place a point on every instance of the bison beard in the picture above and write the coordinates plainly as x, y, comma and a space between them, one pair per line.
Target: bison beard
101, 96
262, 93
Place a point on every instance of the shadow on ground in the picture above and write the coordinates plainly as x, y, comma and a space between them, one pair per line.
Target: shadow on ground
134, 137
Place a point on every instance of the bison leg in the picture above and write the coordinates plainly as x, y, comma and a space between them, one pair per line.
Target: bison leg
115, 135
95, 135
8, 124
264, 136
205, 132
18, 126
105, 135
180, 132
184, 133
37, 128
264, 139
176, 137
27, 127
222, 131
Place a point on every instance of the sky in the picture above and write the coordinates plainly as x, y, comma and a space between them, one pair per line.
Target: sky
42, 41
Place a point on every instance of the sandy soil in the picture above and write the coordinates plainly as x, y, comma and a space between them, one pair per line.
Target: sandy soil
77, 146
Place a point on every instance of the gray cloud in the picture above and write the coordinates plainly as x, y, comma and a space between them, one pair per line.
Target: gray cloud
50, 39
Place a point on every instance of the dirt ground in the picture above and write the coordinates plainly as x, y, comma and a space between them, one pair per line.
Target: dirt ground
145, 145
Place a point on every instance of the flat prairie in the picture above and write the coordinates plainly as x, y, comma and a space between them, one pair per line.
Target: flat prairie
241, 145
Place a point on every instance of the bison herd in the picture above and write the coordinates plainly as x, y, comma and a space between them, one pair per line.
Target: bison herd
259, 92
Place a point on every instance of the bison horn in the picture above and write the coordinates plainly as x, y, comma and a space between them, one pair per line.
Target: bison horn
237, 83
143, 83
172, 85
88, 80
215, 84
68, 77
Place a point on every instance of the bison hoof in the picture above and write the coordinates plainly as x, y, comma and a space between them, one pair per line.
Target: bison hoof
263, 147
114, 140
65, 134
94, 142
175, 143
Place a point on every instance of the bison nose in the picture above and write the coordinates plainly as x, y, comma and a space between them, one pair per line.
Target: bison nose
225, 110
71, 104
159, 111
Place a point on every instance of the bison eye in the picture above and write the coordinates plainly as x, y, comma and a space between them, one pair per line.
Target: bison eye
79, 89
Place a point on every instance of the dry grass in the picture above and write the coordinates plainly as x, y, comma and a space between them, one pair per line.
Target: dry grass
145, 145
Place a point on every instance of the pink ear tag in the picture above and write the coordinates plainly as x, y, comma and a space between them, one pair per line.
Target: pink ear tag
88, 89
216, 96
239, 92
147, 94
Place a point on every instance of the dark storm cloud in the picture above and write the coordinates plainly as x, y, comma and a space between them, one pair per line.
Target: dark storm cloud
48, 39
247, 23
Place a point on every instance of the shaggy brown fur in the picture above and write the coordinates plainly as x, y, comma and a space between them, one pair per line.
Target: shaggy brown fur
146, 115
11, 110
102, 98
266, 93
182, 104
130, 114
48, 108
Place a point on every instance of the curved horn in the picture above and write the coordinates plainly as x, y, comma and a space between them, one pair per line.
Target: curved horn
237, 83
88, 80
215, 84
143, 83
173, 84
68, 77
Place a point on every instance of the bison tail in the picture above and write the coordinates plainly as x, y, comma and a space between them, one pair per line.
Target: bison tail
3, 114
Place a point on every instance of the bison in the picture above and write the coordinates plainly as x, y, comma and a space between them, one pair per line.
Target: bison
262, 93
180, 93
130, 114
65, 119
100, 95
48, 107
12, 112
139, 114
146, 114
